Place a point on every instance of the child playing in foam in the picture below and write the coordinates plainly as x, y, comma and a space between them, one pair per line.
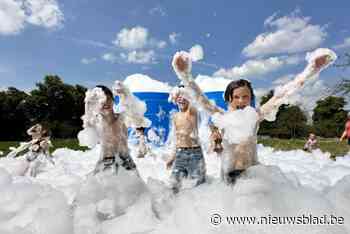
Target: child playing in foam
102, 125
311, 143
239, 125
186, 153
38, 150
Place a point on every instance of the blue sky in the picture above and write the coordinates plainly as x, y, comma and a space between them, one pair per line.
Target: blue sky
93, 42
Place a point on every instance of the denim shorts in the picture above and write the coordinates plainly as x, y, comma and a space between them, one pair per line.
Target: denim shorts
189, 163
116, 161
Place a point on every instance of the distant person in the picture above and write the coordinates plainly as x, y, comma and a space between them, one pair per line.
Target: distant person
311, 143
346, 133
215, 140
186, 153
38, 149
142, 148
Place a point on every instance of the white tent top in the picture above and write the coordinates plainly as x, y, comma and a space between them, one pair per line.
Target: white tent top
144, 83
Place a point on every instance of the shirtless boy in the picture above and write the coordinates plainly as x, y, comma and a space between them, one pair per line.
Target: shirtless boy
111, 128
187, 155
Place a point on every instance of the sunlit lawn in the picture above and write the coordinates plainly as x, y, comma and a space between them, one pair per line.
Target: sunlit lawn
329, 145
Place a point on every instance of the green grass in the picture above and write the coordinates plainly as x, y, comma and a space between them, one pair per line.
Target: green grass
326, 145
57, 143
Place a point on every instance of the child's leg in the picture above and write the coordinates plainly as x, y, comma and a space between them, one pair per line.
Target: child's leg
127, 162
179, 171
232, 176
106, 163
33, 168
197, 170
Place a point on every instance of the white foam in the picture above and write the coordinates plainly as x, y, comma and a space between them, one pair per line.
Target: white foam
238, 125
288, 183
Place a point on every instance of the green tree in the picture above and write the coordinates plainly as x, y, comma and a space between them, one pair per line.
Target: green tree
290, 121
52, 102
64, 105
329, 116
12, 119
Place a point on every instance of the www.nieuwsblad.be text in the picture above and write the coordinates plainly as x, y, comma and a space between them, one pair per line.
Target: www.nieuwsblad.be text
304, 219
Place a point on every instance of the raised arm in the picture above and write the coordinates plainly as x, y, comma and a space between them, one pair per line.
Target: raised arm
94, 100
132, 107
317, 61
182, 65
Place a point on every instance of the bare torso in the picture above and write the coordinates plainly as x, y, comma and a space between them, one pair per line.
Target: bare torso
114, 136
186, 129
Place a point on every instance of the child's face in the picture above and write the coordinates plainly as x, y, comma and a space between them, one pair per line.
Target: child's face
182, 102
108, 105
241, 98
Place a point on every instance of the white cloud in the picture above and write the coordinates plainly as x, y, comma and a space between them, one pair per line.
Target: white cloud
256, 67
137, 38
14, 14
12, 17
134, 38
345, 44
88, 42
88, 60
289, 34
157, 10
109, 57
139, 57
161, 44
45, 13
197, 52
173, 37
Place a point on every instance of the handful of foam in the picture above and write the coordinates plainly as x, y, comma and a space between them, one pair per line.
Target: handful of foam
182, 64
237, 125
94, 100
133, 108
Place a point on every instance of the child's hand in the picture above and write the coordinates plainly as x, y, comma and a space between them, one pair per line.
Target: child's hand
182, 64
321, 62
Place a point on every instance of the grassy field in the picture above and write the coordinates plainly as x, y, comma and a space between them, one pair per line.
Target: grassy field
57, 143
326, 145
329, 145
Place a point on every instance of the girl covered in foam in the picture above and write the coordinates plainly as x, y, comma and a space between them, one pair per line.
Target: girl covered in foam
239, 125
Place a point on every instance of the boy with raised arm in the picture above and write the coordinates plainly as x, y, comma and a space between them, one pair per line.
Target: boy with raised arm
187, 155
111, 128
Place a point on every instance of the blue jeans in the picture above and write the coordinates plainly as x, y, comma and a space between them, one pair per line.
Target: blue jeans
114, 163
189, 163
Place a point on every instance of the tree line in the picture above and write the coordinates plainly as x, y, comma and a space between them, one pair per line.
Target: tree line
328, 119
59, 106
53, 103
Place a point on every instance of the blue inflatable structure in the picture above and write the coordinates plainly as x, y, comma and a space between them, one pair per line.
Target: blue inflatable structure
159, 109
